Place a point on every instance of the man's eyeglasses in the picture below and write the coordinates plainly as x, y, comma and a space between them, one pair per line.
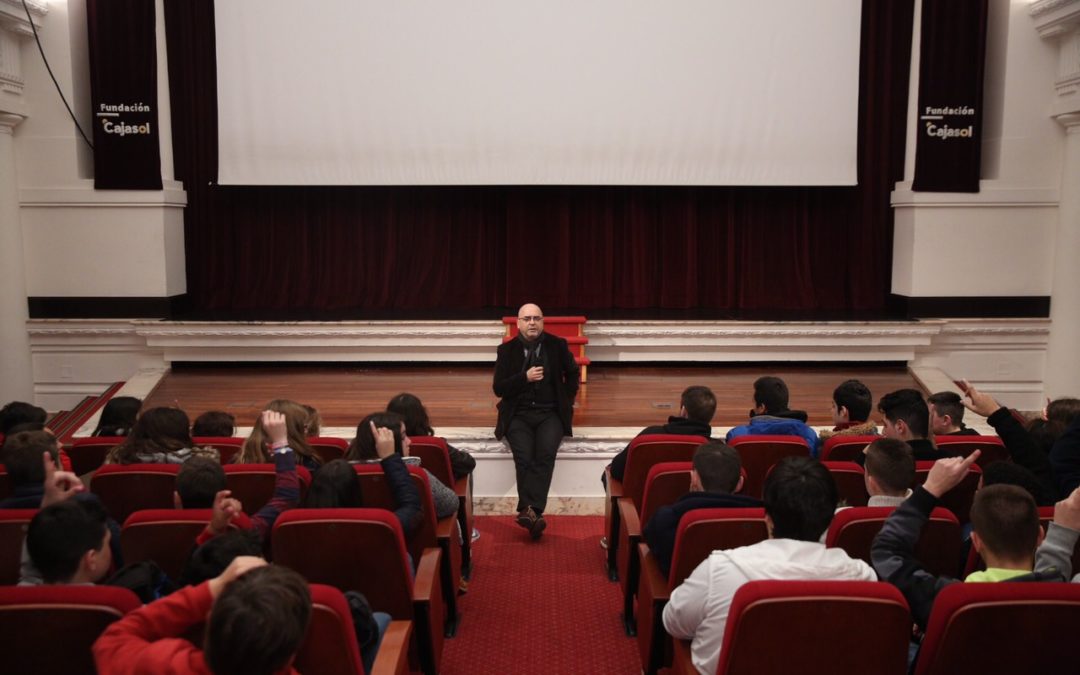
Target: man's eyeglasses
530, 319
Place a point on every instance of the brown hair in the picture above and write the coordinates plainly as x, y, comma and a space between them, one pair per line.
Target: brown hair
1006, 519
254, 450
892, 464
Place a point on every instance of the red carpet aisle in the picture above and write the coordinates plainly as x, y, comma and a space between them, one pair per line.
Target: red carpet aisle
543, 607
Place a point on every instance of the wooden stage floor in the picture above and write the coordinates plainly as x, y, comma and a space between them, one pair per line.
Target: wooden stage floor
461, 396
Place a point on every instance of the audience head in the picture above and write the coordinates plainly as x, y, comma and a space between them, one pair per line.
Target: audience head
906, 415
717, 468
363, 446
68, 542
770, 395
314, 421
21, 456
1010, 473
414, 414
197, 482
335, 486
214, 424
851, 402
211, 559
800, 498
19, 412
890, 467
946, 412
1063, 411
698, 404
118, 416
158, 430
256, 447
1006, 526
258, 622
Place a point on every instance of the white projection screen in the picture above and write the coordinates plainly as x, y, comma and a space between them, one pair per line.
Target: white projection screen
560, 92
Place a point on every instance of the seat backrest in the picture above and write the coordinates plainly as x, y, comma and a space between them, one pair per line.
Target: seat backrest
828, 627
434, 456
992, 447
666, 482
165, 536
228, 447
649, 449
253, 484
127, 488
759, 453
13, 524
376, 494
850, 481
328, 447
845, 448
50, 629
329, 648
703, 531
1001, 628
959, 499
358, 549
87, 454
938, 548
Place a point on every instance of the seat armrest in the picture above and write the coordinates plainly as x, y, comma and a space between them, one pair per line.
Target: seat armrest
614, 486
682, 663
393, 656
630, 523
652, 581
446, 528
426, 584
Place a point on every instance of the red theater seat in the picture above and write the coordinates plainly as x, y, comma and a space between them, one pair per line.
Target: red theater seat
87, 454
760, 452
434, 454
127, 488
165, 536
13, 523
938, 547
845, 448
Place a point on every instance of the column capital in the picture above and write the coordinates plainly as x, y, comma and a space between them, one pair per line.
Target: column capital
1069, 120
9, 120
13, 16
1055, 17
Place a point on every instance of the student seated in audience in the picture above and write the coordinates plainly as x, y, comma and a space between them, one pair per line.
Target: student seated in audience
19, 412
214, 424
118, 416
21, 456
258, 617
1006, 533
160, 436
908, 419
335, 486
200, 484
313, 426
771, 414
697, 405
947, 415
364, 449
415, 415
850, 408
890, 472
800, 499
68, 540
255, 448
714, 480
1024, 448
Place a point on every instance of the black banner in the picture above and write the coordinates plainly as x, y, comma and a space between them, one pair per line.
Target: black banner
949, 120
123, 81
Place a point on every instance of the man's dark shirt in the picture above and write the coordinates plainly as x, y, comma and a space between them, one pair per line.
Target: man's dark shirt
963, 431
924, 450
678, 426
661, 529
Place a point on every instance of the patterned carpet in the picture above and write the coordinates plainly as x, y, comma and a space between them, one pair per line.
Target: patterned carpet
540, 607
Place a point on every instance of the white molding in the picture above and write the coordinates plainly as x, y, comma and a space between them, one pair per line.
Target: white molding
1054, 17
988, 196
13, 16
85, 196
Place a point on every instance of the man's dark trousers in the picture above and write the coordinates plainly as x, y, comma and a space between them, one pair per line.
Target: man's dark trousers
534, 435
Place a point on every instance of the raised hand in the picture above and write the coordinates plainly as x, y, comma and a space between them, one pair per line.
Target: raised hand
948, 472
274, 424
1067, 511
225, 509
384, 441
59, 485
977, 402
240, 566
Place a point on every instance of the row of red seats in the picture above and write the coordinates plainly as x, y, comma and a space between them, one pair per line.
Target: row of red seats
55, 626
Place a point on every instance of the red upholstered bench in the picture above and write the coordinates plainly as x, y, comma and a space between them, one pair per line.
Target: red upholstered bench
570, 328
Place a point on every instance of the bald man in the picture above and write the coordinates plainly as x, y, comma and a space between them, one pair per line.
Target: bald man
536, 379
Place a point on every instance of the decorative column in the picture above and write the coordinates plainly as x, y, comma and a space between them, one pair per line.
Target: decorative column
1059, 21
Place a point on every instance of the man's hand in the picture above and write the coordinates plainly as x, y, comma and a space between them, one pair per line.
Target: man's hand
225, 509
1067, 511
274, 424
977, 402
240, 566
948, 472
384, 441
534, 374
59, 485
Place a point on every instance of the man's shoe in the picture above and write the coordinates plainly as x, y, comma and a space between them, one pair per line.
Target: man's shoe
538, 526
527, 518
